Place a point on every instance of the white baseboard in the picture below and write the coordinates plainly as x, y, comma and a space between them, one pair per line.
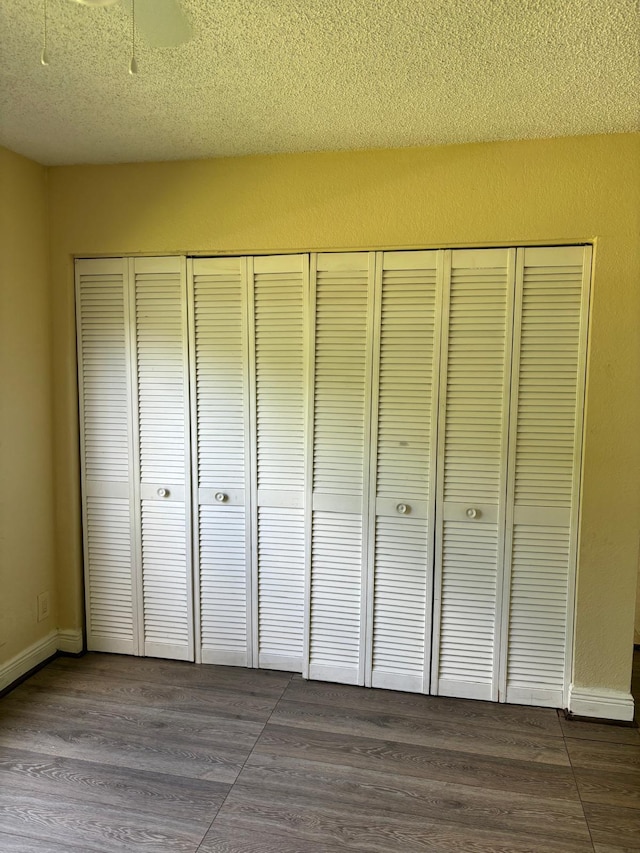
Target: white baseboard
20, 664
604, 704
70, 641
26, 660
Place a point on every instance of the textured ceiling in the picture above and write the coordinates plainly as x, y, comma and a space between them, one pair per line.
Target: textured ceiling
297, 75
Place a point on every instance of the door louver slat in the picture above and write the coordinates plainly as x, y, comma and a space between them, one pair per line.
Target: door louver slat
223, 585
340, 382
335, 594
279, 334
468, 602
405, 384
164, 579
161, 370
400, 600
538, 609
281, 586
108, 540
218, 307
104, 368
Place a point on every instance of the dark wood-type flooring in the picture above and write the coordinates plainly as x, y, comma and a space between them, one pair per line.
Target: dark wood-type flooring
111, 753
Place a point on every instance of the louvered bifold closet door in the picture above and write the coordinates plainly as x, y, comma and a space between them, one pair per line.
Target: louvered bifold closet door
279, 286
220, 440
106, 455
552, 291
343, 291
408, 293
161, 377
472, 453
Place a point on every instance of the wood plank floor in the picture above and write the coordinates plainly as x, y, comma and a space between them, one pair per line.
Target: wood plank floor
111, 753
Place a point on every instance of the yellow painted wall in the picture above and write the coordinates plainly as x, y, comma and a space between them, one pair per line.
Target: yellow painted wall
637, 631
27, 565
571, 189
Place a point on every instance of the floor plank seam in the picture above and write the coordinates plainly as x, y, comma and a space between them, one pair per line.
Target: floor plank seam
575, 779
249, 754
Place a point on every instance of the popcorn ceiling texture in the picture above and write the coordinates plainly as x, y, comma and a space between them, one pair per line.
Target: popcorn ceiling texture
264, 76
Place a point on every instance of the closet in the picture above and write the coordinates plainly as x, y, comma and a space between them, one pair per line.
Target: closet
134, 398
376, 333
248, 434
360, 466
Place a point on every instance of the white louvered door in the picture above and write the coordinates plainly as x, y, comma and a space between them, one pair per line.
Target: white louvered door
342, 284
547, 398
369, 434
106, 436
162, 458
221, 456
404, 415
278, 287
472, 457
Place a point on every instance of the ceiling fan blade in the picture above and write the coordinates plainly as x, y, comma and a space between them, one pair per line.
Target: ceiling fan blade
161, 23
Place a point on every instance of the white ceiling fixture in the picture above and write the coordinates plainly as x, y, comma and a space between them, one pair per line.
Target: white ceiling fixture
161, 23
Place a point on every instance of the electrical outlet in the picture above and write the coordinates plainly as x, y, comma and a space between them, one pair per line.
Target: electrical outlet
43, 606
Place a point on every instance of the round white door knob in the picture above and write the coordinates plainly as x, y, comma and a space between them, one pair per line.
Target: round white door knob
220, 497
163, 493
472, 512
403, 509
